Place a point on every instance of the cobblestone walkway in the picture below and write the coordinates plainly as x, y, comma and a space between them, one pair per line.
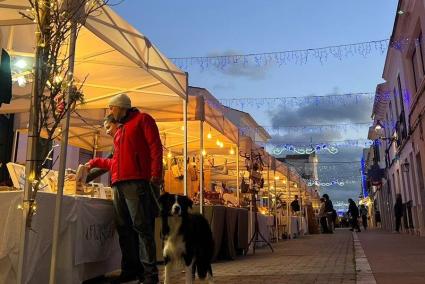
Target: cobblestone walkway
310, 259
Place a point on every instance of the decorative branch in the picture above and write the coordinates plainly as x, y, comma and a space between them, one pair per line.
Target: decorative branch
55, 19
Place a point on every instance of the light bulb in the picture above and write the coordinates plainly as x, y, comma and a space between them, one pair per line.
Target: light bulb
21, 64
221, 144
57, 79
169, 155
209, 135
217, 142
204, 152
21, 81
231, 151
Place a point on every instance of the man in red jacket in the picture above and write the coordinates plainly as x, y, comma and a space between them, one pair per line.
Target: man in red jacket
135, 166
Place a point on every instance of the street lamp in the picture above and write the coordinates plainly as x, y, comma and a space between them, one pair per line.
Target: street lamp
380, 134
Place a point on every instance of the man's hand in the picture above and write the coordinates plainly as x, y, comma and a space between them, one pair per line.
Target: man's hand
87, 165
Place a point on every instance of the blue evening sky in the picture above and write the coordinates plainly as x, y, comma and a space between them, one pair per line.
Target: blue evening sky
200, 28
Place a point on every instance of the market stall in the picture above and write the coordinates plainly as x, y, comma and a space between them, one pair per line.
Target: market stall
111, 57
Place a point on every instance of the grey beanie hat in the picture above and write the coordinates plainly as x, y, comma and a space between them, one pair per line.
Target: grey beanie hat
120, 100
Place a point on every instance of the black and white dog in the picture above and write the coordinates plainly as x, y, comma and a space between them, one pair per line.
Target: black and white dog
187, 237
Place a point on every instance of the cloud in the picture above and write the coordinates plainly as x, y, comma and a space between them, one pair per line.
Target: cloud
240, 69
303, 137
322, 113
221, 86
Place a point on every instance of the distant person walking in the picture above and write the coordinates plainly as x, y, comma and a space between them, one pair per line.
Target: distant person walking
329, 209
353, 212
363, 214
323, 216
398, 212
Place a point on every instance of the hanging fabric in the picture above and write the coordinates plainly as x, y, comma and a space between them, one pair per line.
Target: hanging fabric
5, 78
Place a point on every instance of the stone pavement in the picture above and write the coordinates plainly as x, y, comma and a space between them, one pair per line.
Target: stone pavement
311, 259
394, 258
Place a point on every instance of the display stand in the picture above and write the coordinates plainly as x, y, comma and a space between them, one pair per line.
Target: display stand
257, 237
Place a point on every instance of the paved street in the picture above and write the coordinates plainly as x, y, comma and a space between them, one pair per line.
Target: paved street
394, 258
343, 257
311, 259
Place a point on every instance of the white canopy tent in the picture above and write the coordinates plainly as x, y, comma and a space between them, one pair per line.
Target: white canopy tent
112, 55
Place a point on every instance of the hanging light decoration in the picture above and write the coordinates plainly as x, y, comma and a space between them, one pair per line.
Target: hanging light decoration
232, 151
209, 135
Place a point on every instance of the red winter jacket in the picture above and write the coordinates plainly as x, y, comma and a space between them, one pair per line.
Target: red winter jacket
137, 150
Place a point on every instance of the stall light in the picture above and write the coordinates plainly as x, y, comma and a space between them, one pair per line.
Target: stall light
221, 144
21, 64
31, 177
276, 177
204, 152
217, 142
58, 79
21, 81
232, 151
169, 155
209, 135
182, 128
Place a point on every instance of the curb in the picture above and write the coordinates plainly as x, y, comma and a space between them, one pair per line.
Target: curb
364, 274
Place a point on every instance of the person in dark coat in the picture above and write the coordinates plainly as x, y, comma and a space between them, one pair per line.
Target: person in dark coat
329, 208
398, 212
353, 212
295, 205
363, 214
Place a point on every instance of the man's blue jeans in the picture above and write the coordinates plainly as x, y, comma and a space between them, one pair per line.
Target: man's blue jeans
135, 212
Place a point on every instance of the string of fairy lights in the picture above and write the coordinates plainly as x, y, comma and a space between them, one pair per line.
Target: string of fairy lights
297, 56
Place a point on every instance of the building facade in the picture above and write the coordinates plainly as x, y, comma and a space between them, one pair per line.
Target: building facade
398, 114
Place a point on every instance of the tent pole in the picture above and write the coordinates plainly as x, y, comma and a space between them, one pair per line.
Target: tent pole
185, 146
288, 186
237, 174
14, 146
301, 202
32, 145
201, 170
96, 139
62, 162
268, 187
275, 205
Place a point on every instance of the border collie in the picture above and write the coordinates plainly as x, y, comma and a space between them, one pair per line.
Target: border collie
187, 237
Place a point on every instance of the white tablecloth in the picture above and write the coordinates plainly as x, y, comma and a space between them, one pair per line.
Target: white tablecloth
88, 244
